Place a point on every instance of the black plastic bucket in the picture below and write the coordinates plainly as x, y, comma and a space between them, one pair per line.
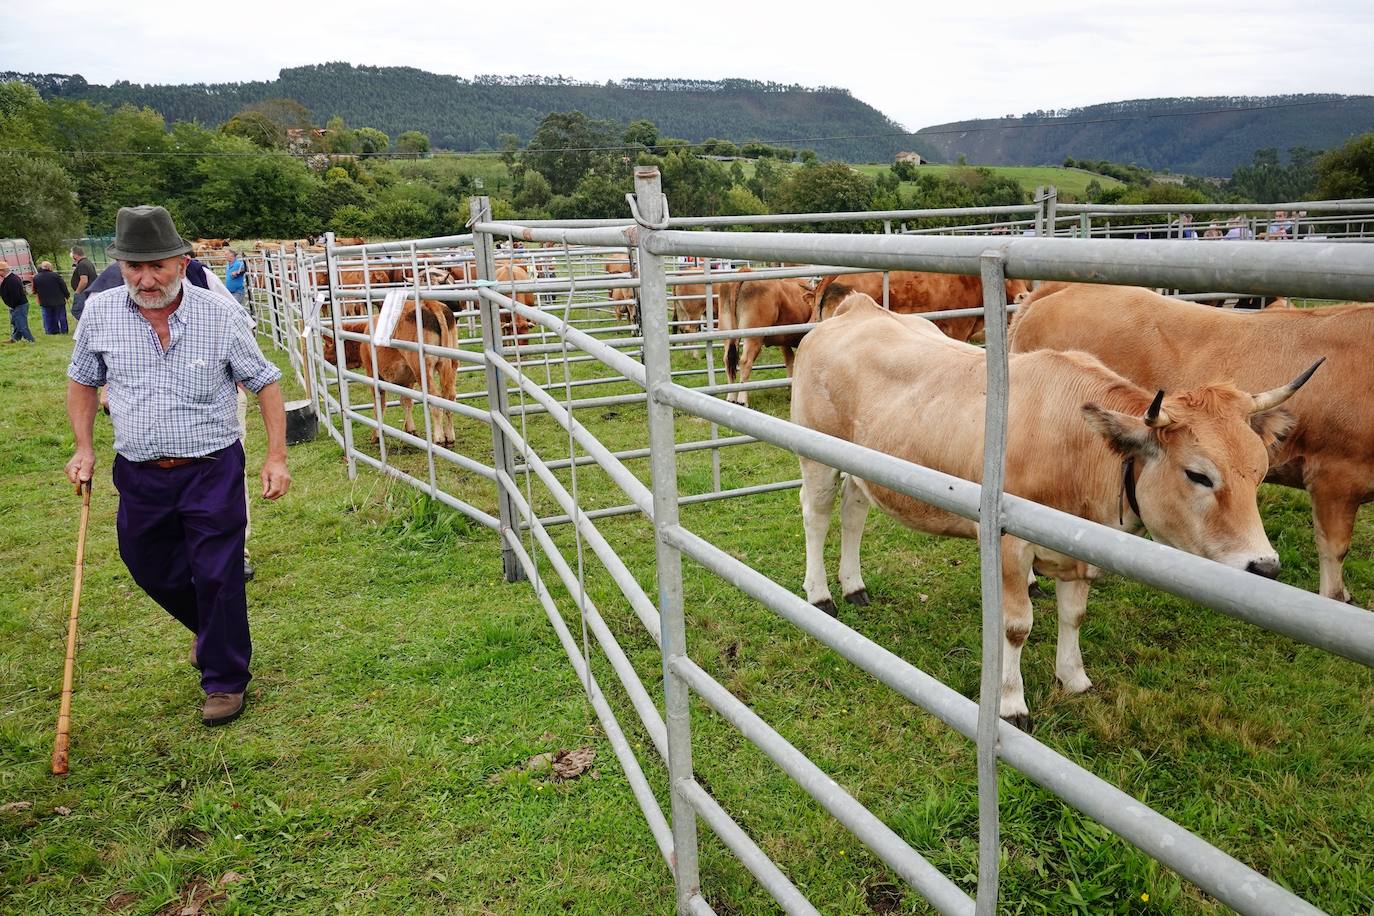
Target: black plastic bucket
301, 423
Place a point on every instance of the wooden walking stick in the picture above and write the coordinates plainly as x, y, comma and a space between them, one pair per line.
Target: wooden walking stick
64, 716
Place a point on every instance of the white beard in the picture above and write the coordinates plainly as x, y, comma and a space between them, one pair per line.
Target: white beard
159, 299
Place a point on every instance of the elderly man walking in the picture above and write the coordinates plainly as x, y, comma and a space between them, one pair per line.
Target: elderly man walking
172, 354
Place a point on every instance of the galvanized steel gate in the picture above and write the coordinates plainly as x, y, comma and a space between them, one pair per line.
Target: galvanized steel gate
291, 288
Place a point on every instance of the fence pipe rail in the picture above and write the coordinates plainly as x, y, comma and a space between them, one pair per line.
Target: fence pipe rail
942, 893
1316, 270
643, 705
1306, 617
1231, 881
769, 876
629, 764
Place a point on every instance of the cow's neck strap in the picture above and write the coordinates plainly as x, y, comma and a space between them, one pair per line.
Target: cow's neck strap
1128, 490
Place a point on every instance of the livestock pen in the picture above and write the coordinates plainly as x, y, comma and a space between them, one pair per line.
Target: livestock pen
517, 406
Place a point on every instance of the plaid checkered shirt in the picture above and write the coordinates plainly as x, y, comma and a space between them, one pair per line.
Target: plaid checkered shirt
174, 404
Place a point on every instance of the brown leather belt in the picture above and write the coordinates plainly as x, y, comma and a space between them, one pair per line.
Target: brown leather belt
168, 463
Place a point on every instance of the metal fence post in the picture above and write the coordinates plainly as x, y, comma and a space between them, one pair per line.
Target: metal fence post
990, 556
503, 455
332, 275
653, 310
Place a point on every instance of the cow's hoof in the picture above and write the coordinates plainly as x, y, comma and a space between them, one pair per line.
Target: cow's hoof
1021, 720
1035, 591
859, 598
828, 605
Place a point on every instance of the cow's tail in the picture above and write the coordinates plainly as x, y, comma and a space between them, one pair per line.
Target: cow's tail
729, 321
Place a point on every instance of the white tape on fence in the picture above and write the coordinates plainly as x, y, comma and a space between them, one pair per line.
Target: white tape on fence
391, 313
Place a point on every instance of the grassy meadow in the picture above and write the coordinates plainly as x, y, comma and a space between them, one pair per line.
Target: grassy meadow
402, 689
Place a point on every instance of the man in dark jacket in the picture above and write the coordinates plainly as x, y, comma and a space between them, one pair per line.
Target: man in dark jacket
83, 275
12, 293
52, 294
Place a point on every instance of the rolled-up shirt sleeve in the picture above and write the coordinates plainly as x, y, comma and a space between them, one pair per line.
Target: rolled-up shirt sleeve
88, 365
246, 362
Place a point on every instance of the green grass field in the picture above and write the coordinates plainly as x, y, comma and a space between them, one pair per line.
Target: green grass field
1068, 181
401, 689
490, 168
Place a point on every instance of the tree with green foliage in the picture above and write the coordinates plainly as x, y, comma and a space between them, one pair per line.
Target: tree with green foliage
825, 188
1268, 180
369, 141
38, 202
510, 145
243, 196
1347, 171
695, 186
766, 182
641, 133
256, 127
412, 143
568, 145
534, 192
338, 138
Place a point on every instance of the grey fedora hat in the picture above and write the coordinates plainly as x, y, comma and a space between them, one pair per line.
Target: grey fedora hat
146, 234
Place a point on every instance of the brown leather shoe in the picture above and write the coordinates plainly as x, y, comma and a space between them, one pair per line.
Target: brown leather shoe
222, 708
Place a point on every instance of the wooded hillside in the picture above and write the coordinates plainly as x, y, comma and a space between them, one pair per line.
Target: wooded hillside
1195, 136
462, 114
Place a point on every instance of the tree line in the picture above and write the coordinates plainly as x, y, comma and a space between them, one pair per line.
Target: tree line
269, 172
470, 115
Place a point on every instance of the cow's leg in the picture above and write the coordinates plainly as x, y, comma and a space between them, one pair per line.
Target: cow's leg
408, 415
853, 511
434, 376
1072, 598
751, 349
1333, 515
787, 356
1016, 627
818, 502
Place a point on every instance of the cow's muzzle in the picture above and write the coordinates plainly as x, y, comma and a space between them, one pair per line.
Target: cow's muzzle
1267, 567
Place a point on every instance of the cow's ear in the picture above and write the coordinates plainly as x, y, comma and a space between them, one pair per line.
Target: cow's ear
1273, 426
1127, 435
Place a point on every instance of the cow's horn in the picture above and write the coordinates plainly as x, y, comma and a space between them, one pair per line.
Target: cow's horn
1155, 417
1267, 400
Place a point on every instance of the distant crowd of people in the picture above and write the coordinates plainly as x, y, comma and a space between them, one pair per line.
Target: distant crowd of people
52, 291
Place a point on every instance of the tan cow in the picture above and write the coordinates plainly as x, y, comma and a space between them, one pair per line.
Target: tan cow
1151, 338
1078, 434
761, 304
505, 272
910, 292
402, 367
622, 298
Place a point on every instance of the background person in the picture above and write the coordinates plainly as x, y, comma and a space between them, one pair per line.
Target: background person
13, 294
52, 294
171, 354
235, 279
83, 275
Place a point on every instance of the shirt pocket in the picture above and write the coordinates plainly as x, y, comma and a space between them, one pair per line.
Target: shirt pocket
204, 379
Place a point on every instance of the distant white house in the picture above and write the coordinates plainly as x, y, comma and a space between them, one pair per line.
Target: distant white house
908, 156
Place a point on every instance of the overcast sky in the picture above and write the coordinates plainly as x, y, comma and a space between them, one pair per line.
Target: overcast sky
919, 63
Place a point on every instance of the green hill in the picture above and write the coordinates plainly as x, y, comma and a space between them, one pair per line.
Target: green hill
463, 114
1197, 136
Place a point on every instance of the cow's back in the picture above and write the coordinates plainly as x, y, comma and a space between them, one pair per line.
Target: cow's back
1160, 342
895, 384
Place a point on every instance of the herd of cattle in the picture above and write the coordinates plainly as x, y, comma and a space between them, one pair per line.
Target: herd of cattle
1128, 408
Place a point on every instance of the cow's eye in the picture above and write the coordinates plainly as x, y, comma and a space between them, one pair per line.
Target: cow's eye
1199, 478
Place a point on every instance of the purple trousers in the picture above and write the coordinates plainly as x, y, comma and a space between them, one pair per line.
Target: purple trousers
181, 533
